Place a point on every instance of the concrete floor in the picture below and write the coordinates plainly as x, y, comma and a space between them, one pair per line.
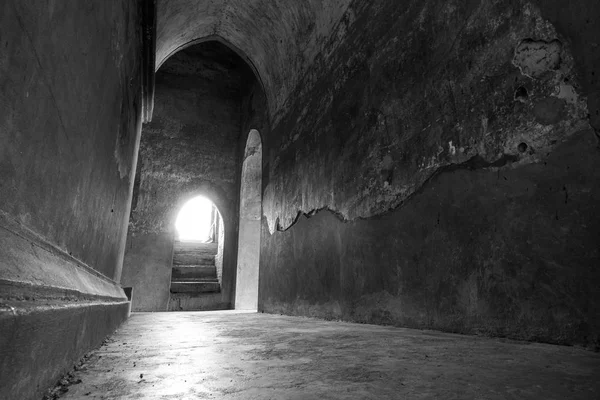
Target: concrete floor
233, 355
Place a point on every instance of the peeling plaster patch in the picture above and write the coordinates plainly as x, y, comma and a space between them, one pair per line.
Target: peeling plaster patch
567, 93
534, 57
451, 148
490, 133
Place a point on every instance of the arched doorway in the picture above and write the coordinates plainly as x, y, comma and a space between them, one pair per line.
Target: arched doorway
194, 146
196, 221
197, 257
246, 293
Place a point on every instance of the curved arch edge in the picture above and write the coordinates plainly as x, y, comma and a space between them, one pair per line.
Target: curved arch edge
232, 47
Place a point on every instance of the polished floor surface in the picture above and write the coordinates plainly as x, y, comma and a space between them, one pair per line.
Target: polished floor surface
233, 355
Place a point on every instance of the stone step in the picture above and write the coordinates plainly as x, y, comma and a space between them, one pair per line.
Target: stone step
192, 258
201, 280
193, 272
187, 253
195, 287
196, 302
209, 248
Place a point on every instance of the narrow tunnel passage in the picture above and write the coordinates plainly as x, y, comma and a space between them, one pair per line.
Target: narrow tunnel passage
430, 165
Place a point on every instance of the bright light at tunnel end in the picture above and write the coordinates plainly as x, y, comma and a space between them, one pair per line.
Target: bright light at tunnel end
193, 222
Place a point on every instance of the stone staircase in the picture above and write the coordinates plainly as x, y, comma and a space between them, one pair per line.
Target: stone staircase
194, 276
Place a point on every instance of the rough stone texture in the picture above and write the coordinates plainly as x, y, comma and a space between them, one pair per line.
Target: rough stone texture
385, 114
152, 256
228, 355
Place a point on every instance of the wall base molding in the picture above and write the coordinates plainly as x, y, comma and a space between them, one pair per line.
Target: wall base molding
40, 341
53, 309
29, 262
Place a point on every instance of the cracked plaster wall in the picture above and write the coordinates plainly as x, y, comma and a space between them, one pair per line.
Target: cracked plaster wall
401, 101
507, 253
402, 95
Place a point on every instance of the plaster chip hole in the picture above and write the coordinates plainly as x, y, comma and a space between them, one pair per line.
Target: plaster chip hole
522, 147
521, 94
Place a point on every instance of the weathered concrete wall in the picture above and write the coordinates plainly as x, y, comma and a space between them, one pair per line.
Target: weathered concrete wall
70, 101
189, 149
505, 253
152, 256
402, 95
372, 125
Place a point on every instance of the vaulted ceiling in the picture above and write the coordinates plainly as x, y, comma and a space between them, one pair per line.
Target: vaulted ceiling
279, 38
